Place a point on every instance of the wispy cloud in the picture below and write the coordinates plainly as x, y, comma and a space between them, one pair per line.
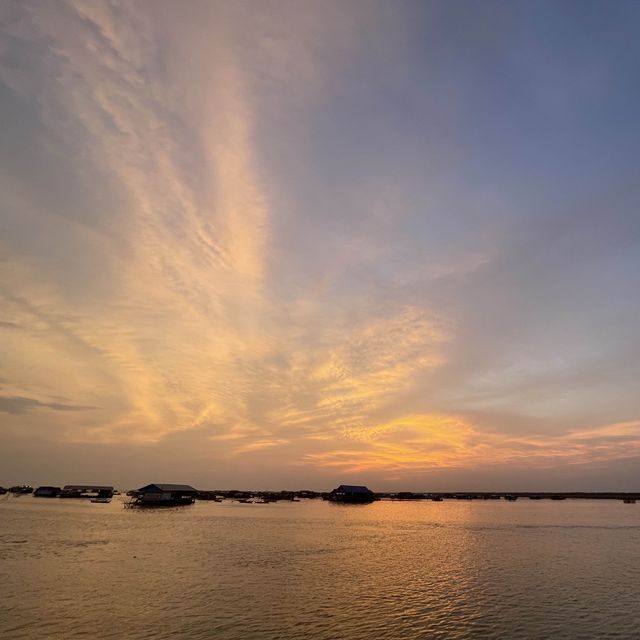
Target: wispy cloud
312, 234
11, 326
17, 405
418, 444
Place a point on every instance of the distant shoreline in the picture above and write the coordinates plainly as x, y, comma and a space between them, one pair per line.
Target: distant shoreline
234, 494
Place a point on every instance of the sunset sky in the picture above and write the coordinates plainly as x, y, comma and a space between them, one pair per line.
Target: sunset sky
293, 244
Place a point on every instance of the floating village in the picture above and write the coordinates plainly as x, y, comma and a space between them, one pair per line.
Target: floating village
176, 495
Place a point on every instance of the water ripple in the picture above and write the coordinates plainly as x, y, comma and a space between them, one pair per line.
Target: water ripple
308, 571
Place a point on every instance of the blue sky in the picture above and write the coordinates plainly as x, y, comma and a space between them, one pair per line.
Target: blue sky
283, 244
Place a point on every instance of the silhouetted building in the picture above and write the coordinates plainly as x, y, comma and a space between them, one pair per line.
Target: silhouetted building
86, 491
21, 489
47, 492
165, 495
352, 494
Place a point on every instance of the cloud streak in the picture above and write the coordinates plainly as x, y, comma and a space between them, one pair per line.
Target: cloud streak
18, 405
284, 240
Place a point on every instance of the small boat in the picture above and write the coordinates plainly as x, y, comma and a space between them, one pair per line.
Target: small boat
629, 500
437, 499
101, 500
511, 498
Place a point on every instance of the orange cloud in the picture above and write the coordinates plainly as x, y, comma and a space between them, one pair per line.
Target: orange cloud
420, 443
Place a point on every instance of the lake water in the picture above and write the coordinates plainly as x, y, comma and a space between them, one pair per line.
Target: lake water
401, 570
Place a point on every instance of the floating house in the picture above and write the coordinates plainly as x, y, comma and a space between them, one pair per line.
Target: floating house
351, 494
86, 491
21, 489
47, 492
165, 495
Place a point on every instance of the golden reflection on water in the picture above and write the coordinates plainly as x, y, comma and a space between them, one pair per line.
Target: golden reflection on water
454, 569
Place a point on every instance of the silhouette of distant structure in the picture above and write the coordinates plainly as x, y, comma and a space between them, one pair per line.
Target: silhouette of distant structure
21, 489
47, 492
86, 491
165, 495
352, 494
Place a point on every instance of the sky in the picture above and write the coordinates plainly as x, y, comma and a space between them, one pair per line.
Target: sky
295, 244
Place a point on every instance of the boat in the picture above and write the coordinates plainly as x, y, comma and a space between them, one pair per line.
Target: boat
629, 500
511, 498
101, 500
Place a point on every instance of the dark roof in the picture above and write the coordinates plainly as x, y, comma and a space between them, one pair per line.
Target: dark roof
168, 488
352, 488
85, 487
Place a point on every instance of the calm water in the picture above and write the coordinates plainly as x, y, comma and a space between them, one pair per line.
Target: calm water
227, 571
